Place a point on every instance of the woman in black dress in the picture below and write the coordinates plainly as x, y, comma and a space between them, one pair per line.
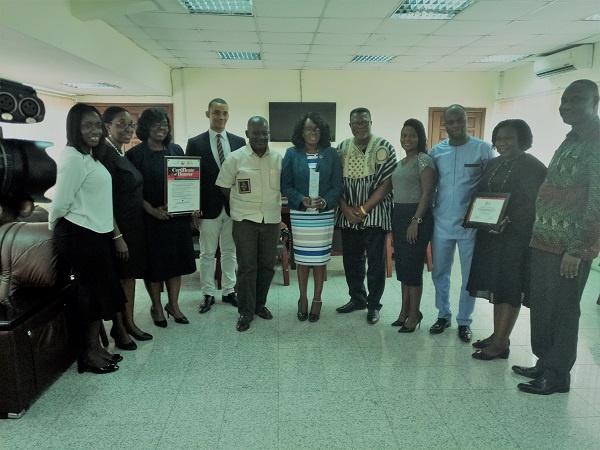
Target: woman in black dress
500, 270
169, 247
81, 217
128, 217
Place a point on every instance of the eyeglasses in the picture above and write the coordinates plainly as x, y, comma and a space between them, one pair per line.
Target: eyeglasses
87, 126
362, 123
124, 125
312, 130
158, 126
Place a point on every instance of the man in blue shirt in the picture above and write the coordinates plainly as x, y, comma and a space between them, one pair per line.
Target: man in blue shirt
460, 161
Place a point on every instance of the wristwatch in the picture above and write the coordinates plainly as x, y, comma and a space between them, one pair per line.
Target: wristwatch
418, 219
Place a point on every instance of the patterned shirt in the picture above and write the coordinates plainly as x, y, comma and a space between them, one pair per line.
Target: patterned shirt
363, 173
568, 204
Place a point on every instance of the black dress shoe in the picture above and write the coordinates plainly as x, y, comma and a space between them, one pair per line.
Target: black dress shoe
208, 301
529, 372
542, 386
398, 323
264, 313
439, 326
464, 333
349, 307
373, 316
243, 323
159, 323
115, 358
231, 299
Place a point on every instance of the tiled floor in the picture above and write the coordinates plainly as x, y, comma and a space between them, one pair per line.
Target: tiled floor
337, 384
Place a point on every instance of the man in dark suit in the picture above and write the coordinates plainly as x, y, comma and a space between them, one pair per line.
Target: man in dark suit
215, 224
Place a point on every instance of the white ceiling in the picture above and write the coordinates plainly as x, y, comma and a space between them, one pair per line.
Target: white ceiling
304, 34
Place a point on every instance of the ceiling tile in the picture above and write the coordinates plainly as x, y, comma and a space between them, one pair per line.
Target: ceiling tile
197, 54
557, 11
349, 25
485, 50
438, 51
447, 41
497, 41
383, 50
360, 9
165, 34
185, 45
286, 38
334, 49
223, 23
272, 56
395, 39
287, 8
285, 48
580, 27
482, 27
499, 10
232, 36
396, 26
340, 39
524, 27
333, 58
288, 25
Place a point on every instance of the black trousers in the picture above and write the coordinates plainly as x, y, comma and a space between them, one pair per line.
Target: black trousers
555, 314
355, 244
256, 248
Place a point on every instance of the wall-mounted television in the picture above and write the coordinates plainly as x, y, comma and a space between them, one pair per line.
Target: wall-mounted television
284, 115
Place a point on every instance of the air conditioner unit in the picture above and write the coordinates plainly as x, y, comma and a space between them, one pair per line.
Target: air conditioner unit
572, 59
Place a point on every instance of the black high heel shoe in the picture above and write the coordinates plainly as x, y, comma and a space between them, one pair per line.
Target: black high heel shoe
312, 317
84, 366
398, 322
122, 345
479, 354
141, 337
159, 323
183, 320
404, 329
302, 315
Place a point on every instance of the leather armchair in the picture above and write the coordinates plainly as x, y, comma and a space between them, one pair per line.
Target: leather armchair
34, 337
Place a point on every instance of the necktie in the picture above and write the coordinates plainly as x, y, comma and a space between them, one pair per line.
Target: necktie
220, 149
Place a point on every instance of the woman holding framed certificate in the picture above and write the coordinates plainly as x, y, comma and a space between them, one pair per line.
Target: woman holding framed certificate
311, 179
168, 237
500, 271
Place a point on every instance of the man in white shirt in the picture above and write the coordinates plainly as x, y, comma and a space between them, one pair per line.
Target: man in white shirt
250, 179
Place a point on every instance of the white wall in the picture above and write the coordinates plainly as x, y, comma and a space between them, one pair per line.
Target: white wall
392, 97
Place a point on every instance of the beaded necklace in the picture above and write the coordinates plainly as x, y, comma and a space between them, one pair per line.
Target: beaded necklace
119, 151
507, 174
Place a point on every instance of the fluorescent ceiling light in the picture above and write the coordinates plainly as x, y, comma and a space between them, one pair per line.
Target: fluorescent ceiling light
502, 58
245, 56
371, 58
92, 85
225, 7
593, 17
431, 9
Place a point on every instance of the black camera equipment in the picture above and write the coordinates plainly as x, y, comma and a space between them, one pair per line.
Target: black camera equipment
26, 170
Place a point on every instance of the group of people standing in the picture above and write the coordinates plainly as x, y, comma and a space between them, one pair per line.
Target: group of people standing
360, 188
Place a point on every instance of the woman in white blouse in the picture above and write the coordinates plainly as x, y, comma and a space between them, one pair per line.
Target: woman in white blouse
81, 216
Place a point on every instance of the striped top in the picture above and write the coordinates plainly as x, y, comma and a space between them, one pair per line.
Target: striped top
362, 174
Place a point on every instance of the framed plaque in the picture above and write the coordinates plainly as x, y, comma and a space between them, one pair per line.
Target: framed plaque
486, 211
182, 184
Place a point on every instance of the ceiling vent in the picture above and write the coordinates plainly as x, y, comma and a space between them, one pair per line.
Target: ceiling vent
561, 62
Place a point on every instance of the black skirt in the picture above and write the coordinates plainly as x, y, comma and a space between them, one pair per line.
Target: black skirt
91, 256
410, 258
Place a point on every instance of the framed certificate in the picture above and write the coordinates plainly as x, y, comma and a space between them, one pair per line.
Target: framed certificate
486, 211
182, 184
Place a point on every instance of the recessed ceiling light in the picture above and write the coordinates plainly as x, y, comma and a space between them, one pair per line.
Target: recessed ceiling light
502, 58
245, 56
431, 9
92, 85
593, 17
225, 7
371, 58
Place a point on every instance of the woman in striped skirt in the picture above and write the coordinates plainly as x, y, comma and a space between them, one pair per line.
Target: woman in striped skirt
311, 179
